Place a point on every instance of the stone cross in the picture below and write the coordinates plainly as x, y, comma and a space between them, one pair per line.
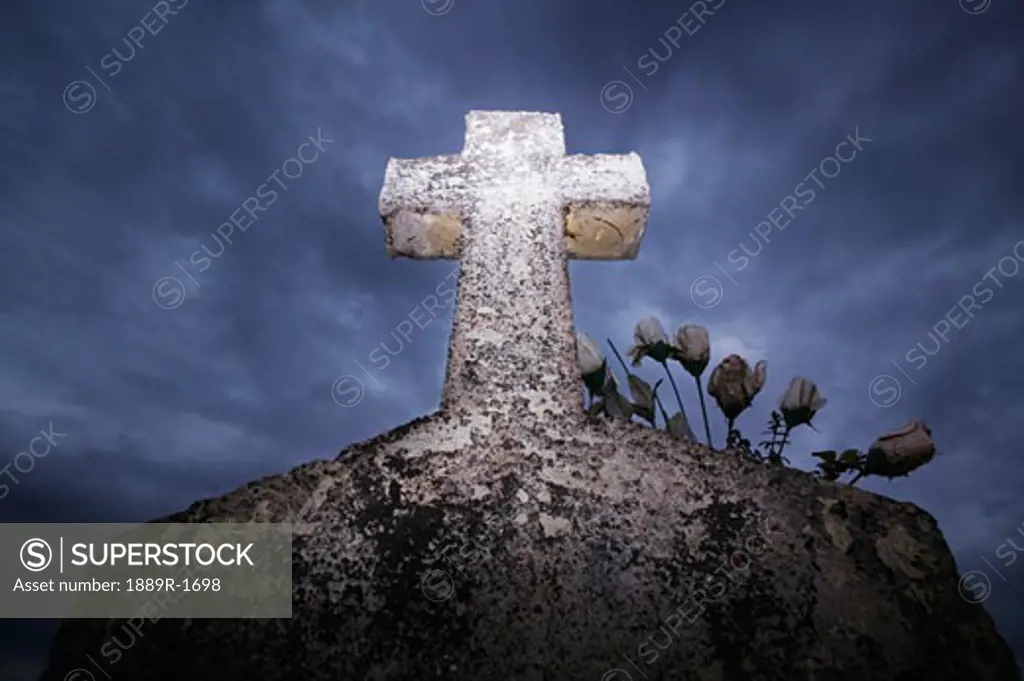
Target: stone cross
513, 207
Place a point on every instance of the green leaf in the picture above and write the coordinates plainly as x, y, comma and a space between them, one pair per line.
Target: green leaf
678, 426
829, 456
850, 456
642, 392
643, 412
617, 406
830, 474
643, 398
595, 380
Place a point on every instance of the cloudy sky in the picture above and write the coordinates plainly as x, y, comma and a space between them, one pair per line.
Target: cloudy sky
169, 373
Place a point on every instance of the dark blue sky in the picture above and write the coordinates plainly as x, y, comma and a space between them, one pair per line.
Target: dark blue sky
131, 131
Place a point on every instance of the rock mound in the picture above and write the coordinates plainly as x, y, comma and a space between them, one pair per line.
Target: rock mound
582, 557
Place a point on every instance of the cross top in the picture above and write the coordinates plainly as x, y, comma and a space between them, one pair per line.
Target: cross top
514, 208
513, 135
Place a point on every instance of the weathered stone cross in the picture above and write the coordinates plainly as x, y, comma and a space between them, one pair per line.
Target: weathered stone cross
514, 208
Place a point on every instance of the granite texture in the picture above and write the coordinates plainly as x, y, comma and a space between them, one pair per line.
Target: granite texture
568, 555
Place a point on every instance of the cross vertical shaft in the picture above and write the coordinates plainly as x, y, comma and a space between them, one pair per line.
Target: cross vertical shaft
513, 321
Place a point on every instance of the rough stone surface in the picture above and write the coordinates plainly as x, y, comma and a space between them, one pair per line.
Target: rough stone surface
514, 208
510, 537
426, 202
599, 566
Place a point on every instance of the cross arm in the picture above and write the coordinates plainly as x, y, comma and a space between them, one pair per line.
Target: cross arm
607, 201
422, 204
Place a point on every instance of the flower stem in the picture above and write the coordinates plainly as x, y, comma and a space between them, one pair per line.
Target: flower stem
619, 357
703, 409
857, 477
785, 440
674, 389
664, 414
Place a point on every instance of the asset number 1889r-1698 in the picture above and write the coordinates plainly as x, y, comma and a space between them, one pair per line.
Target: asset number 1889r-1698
171, 584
